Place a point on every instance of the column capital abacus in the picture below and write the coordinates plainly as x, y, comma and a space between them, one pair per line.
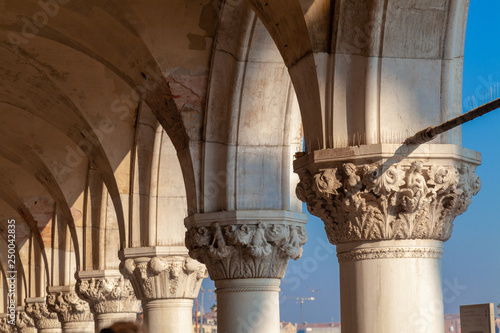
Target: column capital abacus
107, 292
69, 307
388, 192
246, 244
163, 272
37, 309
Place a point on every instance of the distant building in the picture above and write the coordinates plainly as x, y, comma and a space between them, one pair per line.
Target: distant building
209, 321
288, 327
211, 318
452, 323
319, 328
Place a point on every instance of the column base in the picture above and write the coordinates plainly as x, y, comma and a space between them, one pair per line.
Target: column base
248, 305
167, 315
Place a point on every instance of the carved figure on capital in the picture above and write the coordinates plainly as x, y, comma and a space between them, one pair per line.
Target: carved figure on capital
108, 295
43, 318
250, 250
69, 307
164, 277
401, 201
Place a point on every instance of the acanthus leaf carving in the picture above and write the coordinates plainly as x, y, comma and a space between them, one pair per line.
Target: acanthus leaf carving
108, 295
69, 307
164, 277
246, 250
42, 317
390, 253
401, 201
5, 326
24, 323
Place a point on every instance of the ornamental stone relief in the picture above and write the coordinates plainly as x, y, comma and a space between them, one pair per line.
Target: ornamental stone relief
108, 295
164, 277
5, 327
246, 250
390, 253
69, 307
401, 201
43, 318
24, 323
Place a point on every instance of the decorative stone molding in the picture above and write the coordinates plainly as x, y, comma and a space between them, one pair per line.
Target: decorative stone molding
108, 295
249, 248
164, 277
69, 307
248, 289
24, 323
390, 253
42, 317
407, 199
5, 327
247, 285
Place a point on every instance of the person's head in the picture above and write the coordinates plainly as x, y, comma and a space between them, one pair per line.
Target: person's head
122, 327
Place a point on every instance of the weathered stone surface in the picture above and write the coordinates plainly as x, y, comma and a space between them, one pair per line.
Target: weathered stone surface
37, 309
5, 326
68, 306
108, 294
405, 198
192, 107
163, 276
257, 246
24, 324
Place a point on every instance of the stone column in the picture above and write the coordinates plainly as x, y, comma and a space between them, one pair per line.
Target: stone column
166, 280
110, 296
246, 253
73, 312
388, 209
45, 321
24, 323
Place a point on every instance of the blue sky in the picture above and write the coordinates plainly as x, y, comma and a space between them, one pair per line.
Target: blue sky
471, 261
472, 255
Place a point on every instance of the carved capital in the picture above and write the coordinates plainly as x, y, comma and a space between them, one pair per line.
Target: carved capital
24, 323
246, 250
160, 277
405, 198
5, 326
42, 317
108, 294
69, 307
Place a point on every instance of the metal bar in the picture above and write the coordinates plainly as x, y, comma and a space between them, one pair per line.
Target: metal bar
432, 132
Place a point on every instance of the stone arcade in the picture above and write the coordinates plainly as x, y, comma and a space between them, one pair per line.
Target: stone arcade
146, 145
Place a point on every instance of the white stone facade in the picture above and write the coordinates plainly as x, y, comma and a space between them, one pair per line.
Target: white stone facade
147, 145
